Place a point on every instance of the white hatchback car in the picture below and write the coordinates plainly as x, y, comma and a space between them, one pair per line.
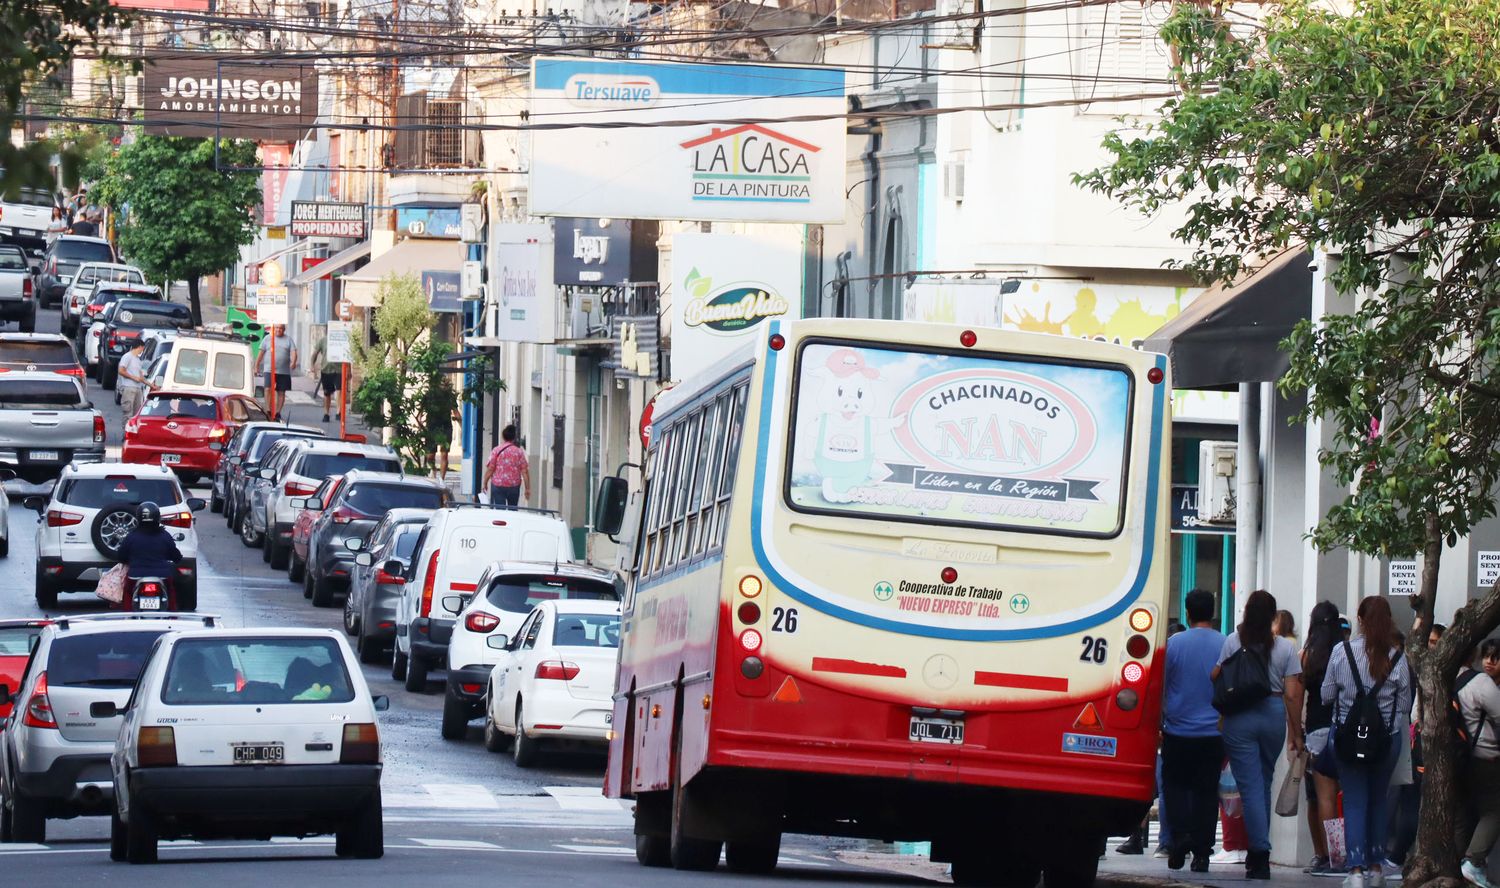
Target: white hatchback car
248, 734
557, 681
90, 512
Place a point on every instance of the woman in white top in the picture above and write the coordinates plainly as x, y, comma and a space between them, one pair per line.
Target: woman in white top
58, 226
1383, 674
1479, 699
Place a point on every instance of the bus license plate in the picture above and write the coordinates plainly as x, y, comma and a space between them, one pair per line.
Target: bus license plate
259, 754
936, 730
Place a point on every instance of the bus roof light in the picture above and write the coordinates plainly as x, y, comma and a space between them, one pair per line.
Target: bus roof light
778, 342
968, 338
1155, 376
950, 575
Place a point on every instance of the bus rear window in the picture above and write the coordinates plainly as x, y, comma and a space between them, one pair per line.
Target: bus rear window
959, 439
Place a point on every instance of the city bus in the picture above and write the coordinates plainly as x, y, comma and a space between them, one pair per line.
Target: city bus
896, 581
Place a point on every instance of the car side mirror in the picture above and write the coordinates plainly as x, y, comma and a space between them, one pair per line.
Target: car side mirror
453, 603
315, 504
299, 502
354, 544
499, 641
37, 504
103, 709
268, 474
381, 701
395, 569
196, 503
236, 460
36, 269
614, 496
364, 559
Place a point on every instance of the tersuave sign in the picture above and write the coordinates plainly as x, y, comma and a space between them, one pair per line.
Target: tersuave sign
727, 286
231, 97
323, 219
691, 160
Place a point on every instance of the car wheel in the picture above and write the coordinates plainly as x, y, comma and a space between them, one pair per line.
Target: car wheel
322, 593
363, 837
140, 837
307, 585
107, 375
455, 718
248, 535
416, 674
215, 502
117, 837
46, 593
28, 823
494, 739
277, 554
187, 595
5, 547
398, 665
295, 568
524, 752
351, 622
753, 856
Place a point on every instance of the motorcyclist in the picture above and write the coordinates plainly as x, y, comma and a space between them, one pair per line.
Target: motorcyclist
150, 551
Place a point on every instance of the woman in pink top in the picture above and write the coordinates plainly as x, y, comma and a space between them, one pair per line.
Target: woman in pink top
507, 471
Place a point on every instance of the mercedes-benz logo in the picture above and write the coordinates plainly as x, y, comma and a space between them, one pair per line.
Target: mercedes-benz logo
940, 671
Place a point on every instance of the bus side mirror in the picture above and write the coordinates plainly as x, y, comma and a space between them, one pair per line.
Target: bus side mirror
614, 495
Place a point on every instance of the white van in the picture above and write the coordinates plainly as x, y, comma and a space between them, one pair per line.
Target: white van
211, 362
454, 548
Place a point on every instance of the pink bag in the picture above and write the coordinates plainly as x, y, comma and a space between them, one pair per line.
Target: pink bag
111, 586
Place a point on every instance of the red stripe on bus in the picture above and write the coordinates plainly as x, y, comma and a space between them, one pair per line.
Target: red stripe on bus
854, 667
1017, 680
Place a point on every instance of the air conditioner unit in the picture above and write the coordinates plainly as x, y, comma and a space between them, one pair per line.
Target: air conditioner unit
953, 179
586, 316
1217, 464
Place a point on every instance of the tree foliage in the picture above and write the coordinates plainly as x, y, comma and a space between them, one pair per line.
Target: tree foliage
1371, 132
186, 214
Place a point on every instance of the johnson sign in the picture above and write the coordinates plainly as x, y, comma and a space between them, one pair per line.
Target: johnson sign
230, 97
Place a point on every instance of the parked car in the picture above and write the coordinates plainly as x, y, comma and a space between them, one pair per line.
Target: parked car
250, 517
243, 452
16, 640
186, 431
246, 735
508, 592
556, 679
90, 275
34, 352
62, 260
97, 315
307, 511
130, 320
298, 476
46, 424
26, 216
89, 513
456, 546
211, 362
376, 579
54, 758
17, 289
351, 514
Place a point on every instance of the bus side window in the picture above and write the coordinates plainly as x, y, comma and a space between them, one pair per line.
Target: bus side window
691, 459
658, 462
708, 490
673, 467
731, 461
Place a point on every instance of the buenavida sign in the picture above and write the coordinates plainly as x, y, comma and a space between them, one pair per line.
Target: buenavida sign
728, 285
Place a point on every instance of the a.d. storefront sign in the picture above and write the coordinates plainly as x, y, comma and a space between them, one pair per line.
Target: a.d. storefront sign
229, 97
325, 219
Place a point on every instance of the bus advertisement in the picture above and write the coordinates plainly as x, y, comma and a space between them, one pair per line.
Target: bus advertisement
897, 581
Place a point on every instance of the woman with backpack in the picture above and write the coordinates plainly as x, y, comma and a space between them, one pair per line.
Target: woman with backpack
1370, 686
1323, 635
1479, 701
1258, 688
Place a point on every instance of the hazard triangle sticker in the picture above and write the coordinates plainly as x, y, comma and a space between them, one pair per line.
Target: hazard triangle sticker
1088, 719
788, 692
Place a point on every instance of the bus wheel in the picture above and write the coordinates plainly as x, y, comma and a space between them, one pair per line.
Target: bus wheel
1073, 867
653, 850
688, 853
753, 855
983, 869
653, 819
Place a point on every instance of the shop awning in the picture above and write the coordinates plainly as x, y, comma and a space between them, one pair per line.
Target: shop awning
332, 264
1232, 333
411, 256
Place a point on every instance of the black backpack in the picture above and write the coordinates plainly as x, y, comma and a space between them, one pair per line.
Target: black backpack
1364, 737
1244, 680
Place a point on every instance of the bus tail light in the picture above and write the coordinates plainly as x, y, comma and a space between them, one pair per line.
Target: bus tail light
749, 612
361, 745
750, 640
556, 670
968, 338
778, 342
1133, 673
1138, 646
750, 585
156, 748
1127, 699
1155, 376
752, 668
1140, 619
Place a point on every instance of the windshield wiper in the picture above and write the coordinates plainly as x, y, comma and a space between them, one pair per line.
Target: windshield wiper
100, 683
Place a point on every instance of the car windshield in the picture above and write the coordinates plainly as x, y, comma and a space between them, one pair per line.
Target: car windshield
99, 659
586, 630
113, 275
33, 197
12, 259
178, 405
16, 641
87, 250
212, 671
96, 493
36, 351
377, 499
519, 593
109, 295
61, 392
321, 465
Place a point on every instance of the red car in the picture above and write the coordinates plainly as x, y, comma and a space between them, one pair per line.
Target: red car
302, 526
186, 431
16, 639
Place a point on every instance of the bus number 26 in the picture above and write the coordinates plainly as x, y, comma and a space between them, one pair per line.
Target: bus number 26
1095, 650
783, 619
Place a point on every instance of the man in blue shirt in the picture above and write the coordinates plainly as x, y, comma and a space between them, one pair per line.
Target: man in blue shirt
1191, 750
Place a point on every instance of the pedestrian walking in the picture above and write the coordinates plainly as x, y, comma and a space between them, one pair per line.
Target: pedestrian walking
1407, 801
1479, 702
132, 380
1253, 735
1370, 686
1323, 634
1192, 751
58, 226
507, 473
330, 374
278, 341
1285, 625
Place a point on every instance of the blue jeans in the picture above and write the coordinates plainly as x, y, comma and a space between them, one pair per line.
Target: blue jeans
1253, 740
1165, 833
1366, 801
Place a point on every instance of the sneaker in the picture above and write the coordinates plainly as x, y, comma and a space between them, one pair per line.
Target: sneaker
1176, 859
1161, 851
1475, 875
1228, 857
1355, 880
1392, 871
1131, 845
1317, 863
1200, 863
325, 417
1375, 877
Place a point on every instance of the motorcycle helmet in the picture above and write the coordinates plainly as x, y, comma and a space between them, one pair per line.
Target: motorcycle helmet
148, 516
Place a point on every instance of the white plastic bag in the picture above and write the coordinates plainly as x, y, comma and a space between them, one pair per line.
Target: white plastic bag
111, 586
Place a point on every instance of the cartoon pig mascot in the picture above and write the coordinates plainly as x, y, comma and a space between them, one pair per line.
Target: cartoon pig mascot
845, 452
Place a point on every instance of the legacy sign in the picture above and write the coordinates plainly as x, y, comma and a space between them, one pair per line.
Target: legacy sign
316, 218
693, 161
233, 98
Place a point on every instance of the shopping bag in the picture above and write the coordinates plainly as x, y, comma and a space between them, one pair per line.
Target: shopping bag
1291, 785
1337, 849
1403, 773
1229, 793
111, 586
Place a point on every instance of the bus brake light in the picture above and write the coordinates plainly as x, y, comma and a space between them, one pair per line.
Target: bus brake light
1138, 646
749, 612
950, 575
750, 640
1132, 673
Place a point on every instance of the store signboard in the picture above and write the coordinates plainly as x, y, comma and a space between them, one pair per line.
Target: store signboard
212, 95
340, 338
319, 218
521, 289
727, 286
433, 222
441, 288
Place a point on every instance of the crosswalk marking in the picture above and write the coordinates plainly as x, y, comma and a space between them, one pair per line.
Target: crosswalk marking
448, 796
584, 798
459, 844
597, 849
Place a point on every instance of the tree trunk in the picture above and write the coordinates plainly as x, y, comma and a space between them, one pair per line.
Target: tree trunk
193, 304
1435, 860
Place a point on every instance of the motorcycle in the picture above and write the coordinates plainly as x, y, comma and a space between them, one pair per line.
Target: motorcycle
150, 594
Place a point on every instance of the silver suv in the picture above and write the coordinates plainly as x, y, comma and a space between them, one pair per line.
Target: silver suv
54, 754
